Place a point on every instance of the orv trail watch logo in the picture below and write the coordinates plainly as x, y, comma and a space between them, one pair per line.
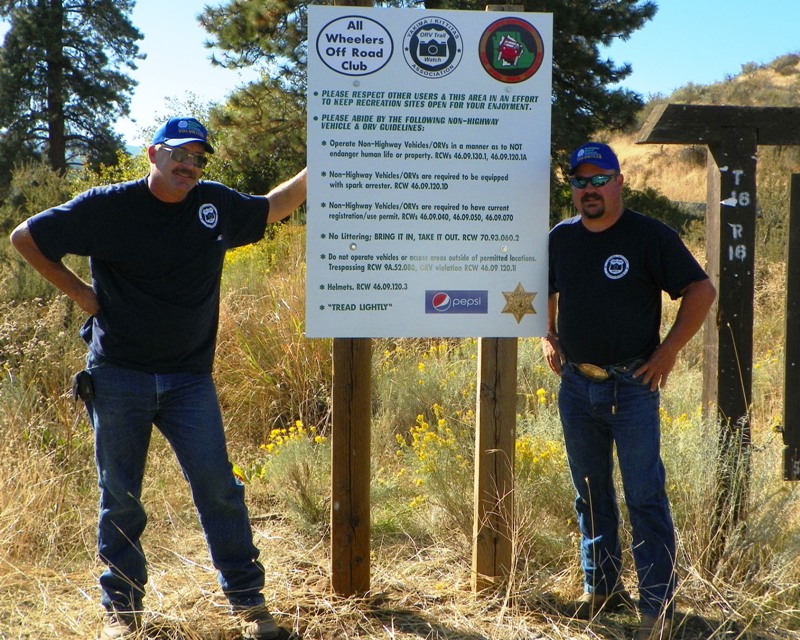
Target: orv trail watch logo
616, 267
432, 47
208, 215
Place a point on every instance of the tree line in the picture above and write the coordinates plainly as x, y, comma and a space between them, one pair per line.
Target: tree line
64, 80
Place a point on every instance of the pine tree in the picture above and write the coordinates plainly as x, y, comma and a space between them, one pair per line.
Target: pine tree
262, 32
261, 129
61, 87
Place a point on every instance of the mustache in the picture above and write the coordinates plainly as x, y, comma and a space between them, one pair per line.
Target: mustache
186, 173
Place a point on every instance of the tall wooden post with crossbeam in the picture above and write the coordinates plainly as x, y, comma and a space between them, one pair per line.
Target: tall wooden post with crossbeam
732, 135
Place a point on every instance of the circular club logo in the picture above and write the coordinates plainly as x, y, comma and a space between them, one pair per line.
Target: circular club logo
354, 45
616, 267
432, 47
208, 215
441, 301
511, 50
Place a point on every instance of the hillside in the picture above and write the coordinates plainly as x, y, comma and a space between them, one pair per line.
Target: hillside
679, 172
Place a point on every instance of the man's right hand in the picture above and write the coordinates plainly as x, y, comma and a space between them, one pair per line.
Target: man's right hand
87, 300
56, 273
551, 347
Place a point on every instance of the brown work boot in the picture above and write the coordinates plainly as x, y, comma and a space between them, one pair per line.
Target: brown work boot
654, 628
590, 604
258, 624
120, 625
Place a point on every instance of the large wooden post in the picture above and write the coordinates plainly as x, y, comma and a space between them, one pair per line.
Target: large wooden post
350, 454
732, 135
350, 466
730, 240
791, 380
495, 439
728, 361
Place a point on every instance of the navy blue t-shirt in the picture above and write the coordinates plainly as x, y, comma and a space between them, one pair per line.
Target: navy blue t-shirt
156, 267
610, 285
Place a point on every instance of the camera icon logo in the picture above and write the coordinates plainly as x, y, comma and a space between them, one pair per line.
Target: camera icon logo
432, 47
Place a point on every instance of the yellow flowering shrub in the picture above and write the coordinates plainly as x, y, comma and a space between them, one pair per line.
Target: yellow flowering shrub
279, 440
538, 458
297, 463
438, 452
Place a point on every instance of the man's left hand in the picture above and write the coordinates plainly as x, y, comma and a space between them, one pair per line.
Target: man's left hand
657, 368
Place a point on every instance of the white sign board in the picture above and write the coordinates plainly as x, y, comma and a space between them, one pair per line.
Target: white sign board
428, 160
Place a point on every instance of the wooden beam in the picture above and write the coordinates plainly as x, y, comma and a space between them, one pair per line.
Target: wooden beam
350, 466
728, 357
495, 439
708, 124
791, 379
730, 247
350, 453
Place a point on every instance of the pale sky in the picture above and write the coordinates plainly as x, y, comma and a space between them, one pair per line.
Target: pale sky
704, 41
177, 64
699, 41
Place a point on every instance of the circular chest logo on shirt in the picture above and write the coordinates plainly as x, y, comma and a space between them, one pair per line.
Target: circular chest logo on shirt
616, 267
208, 215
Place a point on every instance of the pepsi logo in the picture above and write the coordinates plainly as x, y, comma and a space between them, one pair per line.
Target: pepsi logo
456, 301
441, 301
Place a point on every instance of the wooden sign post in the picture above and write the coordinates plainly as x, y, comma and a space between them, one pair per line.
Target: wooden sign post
350, 454
495, 441
791, 381
495, 438
350, 466
732, 135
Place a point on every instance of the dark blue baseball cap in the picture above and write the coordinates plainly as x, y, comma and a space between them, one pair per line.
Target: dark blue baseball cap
595, 153
179, 131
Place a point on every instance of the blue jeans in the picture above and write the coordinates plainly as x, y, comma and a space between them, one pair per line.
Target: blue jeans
184, 407
596, 416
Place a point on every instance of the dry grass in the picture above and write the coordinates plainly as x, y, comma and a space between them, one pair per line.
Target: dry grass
679, 175
417, 592
420, 581
264, 362
421, 575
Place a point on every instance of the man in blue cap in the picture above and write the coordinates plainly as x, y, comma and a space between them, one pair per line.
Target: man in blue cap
156, 248
608, 268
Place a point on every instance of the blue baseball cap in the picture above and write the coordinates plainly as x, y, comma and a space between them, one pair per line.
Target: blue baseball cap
179, 131
595, 153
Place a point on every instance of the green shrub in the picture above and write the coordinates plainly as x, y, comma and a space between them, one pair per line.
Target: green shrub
656, 205
34, 187
295, 468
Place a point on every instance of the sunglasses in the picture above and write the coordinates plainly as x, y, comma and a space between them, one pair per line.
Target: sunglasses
179, 154
596, 181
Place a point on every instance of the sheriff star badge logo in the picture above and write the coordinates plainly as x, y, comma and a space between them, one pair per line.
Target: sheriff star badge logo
519, 302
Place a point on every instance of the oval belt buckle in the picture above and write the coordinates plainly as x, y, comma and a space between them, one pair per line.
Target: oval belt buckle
593, 372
